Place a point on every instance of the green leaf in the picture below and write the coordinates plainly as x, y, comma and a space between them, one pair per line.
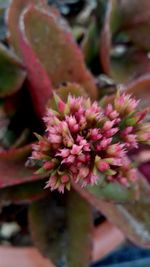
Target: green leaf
79, 231
53, 44
114, 192
90, 43
61, 229
132, 218
25, 193
12, 72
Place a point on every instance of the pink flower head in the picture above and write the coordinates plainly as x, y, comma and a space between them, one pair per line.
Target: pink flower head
84, 140
124, 103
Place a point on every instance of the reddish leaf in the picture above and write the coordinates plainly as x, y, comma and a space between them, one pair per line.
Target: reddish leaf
12, 167
135, 21
16, 154
55, 48
39, 84
133, 12
121, 67
13, 13
129, 66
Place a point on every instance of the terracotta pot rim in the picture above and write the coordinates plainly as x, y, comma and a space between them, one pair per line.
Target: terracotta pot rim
106, 239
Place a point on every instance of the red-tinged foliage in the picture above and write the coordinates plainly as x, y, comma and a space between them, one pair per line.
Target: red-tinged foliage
131, 61
12, 167
60, 225
46, 33
132, 218
15, 8
39, 84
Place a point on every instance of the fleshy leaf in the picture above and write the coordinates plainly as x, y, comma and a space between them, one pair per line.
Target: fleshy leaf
15, 8
12, 72
24, 193
132, 218
115, 192
106, 35
66, 228
128, 66
90, 43
121, 63
136, 21
56, 49
12, 167
39, 86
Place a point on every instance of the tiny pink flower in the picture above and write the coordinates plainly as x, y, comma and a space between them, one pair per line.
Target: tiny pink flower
125, 103
95, 134
131, 141
127, 130
83, 140
72, 123
56, 139
64, 179
132, 175
124, 181
83, 172
108, 125
76, 150
111, 132
116, 149
102, 165
63, 153
103, 144
51, 182
48, 165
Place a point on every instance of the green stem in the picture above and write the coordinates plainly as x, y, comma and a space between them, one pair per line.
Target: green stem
79, 231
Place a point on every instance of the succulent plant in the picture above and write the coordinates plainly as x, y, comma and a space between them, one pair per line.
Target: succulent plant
80, 97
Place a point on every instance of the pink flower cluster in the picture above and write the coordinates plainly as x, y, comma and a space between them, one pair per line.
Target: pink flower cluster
85, 142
